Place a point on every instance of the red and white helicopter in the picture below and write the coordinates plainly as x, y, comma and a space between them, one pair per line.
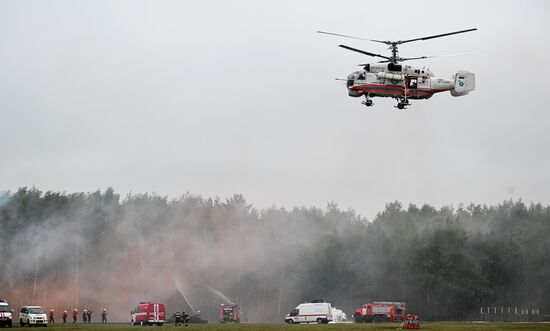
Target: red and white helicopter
388, 78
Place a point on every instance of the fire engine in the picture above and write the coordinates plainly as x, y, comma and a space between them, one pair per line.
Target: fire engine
380, 311
147, 313
229, 313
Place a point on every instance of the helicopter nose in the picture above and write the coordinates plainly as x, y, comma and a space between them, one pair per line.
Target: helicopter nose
349, 82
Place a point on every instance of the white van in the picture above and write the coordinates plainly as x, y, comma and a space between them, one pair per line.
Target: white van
32, 315
5, 314
316, 312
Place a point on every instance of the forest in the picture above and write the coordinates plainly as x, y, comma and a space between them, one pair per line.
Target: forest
101, 250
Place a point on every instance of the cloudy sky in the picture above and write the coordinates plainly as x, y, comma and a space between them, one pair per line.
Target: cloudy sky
224, 97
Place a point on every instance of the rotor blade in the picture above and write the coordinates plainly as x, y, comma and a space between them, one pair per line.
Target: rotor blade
408, 58
415, 58
459, 54
433, 56
436, 36
363, 52
343, 35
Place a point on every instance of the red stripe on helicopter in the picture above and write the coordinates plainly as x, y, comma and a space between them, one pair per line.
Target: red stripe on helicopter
393, 89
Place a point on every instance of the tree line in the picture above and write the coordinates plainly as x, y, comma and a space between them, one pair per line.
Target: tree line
99, 249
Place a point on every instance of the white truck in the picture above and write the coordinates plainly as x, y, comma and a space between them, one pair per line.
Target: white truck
310, 312
32, 315
6, 314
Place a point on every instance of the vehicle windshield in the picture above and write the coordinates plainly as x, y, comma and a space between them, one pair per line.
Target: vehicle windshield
36, 311
5, 309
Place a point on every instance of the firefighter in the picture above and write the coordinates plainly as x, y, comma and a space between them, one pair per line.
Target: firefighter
90, 316
178, 318
75, 315
50, 317
84, 316
185, 318
64, 316
104, 316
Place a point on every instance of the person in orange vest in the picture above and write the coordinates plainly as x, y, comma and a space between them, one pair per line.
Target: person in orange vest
75, 315
50, 317
64, 316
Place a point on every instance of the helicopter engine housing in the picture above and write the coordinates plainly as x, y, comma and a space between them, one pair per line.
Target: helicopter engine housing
387, 75
375, 67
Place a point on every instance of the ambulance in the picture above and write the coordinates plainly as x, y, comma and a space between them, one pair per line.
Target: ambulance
310, 312
6, 314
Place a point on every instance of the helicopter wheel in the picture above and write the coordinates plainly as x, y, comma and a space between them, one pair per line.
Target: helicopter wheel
367, 102
402, 104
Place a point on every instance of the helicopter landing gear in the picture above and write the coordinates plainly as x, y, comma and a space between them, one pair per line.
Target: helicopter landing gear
367, 102
402, 104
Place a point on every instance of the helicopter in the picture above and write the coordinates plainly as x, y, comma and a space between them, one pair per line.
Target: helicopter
389, 78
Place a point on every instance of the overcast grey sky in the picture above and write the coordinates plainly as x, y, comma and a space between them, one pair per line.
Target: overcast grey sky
223, 97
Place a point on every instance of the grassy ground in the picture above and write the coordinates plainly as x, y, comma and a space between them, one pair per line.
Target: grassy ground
446, 326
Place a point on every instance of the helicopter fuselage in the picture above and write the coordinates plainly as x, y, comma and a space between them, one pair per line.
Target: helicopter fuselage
396, 81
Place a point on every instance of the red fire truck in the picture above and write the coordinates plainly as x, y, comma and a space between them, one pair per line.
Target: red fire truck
380, 311
148, 313
229, 313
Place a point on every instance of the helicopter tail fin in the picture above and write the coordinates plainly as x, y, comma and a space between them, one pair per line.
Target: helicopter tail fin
465, 82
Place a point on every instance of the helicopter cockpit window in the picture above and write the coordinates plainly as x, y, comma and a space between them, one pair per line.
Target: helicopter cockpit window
413, 83
361, 76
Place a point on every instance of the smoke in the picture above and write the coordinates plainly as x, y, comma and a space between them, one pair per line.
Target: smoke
98, 250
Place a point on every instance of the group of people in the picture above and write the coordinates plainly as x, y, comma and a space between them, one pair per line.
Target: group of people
86, 316
182, 317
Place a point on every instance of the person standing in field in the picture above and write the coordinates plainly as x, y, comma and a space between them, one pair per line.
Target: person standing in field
104, 316
75, 315
64, 316
50, 317
84, 316
185, 318
90, 316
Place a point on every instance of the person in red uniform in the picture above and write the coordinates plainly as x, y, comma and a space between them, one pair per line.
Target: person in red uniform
50, 317
75, 315
64, 316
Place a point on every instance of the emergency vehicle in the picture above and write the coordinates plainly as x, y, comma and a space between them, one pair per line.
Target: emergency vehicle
6, 314
316, 312
229, 313
148, 313
32, 315
380, 311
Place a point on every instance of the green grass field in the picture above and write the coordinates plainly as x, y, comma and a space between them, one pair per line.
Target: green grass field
447, 326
